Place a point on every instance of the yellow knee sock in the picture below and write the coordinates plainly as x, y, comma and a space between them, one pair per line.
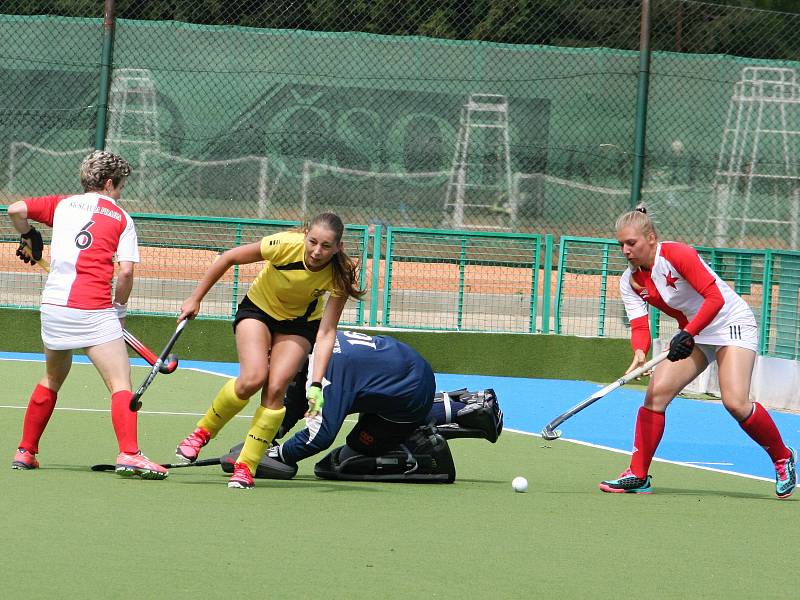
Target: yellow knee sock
262, 429
224, 407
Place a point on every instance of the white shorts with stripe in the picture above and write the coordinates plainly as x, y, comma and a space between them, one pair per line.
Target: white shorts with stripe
742, 336
65, 328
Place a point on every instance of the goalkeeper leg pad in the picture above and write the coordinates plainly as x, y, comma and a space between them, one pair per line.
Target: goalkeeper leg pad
426, 458
270, 467
480, 417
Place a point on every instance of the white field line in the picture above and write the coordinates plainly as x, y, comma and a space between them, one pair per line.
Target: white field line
81, 360
141, 412
691, 465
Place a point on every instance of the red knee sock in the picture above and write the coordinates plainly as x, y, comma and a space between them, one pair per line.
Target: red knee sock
762, 429
40, 407
125, 422
649, 429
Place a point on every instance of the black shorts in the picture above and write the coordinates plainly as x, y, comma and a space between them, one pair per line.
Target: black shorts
248, 310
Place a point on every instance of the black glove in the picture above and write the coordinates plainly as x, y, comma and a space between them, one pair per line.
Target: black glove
36, 247
680, 346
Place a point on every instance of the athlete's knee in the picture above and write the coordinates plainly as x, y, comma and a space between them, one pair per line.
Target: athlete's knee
739, 409
53, 382
658, 398
275, 390
248, 384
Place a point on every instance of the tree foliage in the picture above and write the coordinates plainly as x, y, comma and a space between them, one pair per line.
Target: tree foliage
753, 28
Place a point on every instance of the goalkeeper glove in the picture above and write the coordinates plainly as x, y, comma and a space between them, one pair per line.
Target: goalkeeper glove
315, 398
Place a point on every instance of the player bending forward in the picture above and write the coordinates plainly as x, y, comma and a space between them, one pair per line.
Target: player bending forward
281, 319
715, 324
391, 386
89, 229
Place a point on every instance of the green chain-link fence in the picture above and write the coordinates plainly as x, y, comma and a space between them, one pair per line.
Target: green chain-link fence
501, 115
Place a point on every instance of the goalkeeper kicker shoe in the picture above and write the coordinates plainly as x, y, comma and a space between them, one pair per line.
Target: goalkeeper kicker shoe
24, 460
189, 449
129, 465
242, 478
786, 475
627, 483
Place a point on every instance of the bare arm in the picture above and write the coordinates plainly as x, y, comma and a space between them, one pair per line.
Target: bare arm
326, 336
241, 255
122, 291
323, 350
18, 212
123, 287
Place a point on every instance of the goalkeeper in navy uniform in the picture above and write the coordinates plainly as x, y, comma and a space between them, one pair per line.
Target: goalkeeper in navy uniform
403, 424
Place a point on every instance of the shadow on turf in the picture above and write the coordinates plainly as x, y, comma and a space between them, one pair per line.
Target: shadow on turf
297, 482
303, 481
665, 491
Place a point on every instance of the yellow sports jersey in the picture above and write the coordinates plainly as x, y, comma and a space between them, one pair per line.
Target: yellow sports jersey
285, 289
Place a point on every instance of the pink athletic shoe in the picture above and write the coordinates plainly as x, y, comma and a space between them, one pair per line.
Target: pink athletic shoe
24, 460
242, 478
189, 449
129, 465
627, 483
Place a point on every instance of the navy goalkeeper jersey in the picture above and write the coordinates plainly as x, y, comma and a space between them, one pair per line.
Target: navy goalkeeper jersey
366, 374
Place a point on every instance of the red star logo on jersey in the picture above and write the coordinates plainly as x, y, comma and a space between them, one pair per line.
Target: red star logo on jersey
671, 281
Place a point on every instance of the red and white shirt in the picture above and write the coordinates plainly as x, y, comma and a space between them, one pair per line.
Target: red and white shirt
683, 286
88, 231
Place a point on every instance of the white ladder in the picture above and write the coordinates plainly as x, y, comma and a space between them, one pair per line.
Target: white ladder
480, 175
133, 111
760, 146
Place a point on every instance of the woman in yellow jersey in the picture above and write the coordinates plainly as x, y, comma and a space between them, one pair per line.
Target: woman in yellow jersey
283, 316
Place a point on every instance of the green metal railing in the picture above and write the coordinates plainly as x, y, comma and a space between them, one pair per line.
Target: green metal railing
588, 277
462, 281
444, 280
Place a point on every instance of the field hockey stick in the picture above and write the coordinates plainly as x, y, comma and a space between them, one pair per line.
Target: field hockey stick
203, 462
136, 404
551, 433
167, 367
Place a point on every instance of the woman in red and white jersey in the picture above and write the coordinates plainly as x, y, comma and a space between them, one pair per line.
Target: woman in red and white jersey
89, 231
715, 324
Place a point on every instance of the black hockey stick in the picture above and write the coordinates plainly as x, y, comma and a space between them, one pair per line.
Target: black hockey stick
203, 462
551, 433
136, 403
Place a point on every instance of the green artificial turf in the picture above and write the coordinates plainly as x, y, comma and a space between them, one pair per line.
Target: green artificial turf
73, 533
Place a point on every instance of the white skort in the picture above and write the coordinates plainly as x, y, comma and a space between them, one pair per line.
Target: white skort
743, 336
65, 328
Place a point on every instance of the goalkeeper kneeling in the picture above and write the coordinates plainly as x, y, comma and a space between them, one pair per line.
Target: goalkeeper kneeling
403, 425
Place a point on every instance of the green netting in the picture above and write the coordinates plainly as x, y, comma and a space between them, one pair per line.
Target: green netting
400, 129
278, 123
